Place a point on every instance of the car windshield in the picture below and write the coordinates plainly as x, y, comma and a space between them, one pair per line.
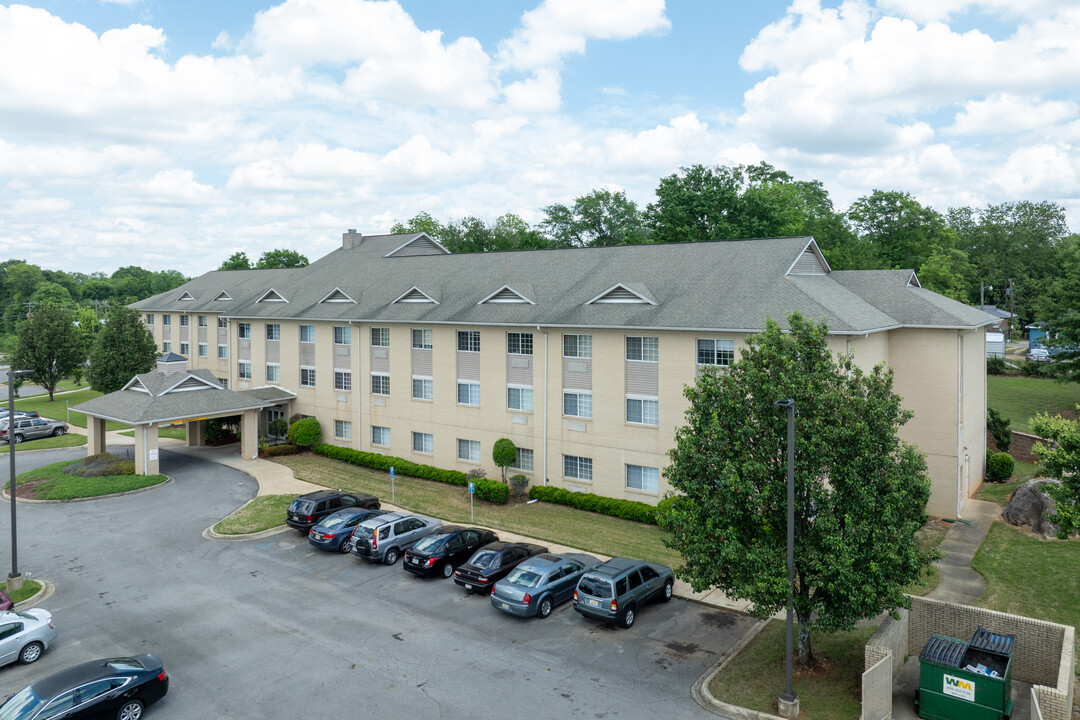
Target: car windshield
597, 587
332, 522
524, 577
487, 559
22, 704
430, 544
301, 506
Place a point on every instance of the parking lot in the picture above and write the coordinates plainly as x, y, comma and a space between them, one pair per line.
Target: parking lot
272, 628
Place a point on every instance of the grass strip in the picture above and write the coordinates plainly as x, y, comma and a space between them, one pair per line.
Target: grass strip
262, 513
47, 443
1020, 398
52, 483
29, 589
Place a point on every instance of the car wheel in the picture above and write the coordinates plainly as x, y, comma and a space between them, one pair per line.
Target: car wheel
58, 432
544, 609
30, 653
344, 546
18, 438
391, 556
627, 619
447, 570
131, 710
667, 591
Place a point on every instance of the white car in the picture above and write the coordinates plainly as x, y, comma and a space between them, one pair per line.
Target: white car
25, 634
1039, 355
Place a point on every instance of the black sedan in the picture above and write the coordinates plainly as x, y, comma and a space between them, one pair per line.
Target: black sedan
118, 688
446, 548
492, 563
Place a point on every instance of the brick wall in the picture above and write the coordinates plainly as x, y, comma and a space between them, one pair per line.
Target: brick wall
891, 635
1021, 447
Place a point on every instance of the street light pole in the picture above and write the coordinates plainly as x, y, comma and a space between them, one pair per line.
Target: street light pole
14, 581
789, 700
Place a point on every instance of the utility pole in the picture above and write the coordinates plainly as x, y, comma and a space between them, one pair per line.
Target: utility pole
1012, 314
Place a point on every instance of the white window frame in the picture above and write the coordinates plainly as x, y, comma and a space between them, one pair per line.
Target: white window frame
582, 348
472, 392
184, 321
307, 376
472, 450
305, 330
520, 343
204, 350
427, 387
468, 341
579, 394
150, 319
185, 348
581, 467
343, 429
342, 335
383, 337
223, 351
521, 391
243, 330
273, 331
166, 319
729, 349
427, 443
202, 321
642, 399
641, 471
426, 339
380, 390
222, 322
243, 369
224, 382
343, 380
166, 346
647, 350
379, 433
275, 376
523, 461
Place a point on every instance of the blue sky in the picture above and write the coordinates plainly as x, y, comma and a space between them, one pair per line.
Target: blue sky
171, 135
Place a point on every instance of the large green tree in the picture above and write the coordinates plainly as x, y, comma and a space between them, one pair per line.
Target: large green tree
50, 345
123, 348
600, 218
1060, 458
237, 261
860, 491
903, 232
281, 259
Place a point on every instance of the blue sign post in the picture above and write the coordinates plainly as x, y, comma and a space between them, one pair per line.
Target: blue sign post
472, 492
393, 499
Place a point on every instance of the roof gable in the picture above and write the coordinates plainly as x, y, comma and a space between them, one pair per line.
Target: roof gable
415, 295
185, 296
187, 382
913, 281
506, 294
272, 295
223, 296
419, 245
337, 295
621, 293
809, 262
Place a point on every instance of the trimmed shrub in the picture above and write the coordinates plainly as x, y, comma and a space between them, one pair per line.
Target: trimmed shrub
492, 491
995, 365
1031, 369
278, 450
503, 454
626, 509
518, 484
100, 465
1000, 467
278, 427
999, 428
305, 432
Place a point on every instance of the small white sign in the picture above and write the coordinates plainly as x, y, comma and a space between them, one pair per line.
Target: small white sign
959, 687
153, 455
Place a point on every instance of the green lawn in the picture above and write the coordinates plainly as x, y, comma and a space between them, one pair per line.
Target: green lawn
999, 492
552, 523
57, 409
52, 483
1020, 398
29, 589
262, 513
176, 433
929, 537
755, 678
1028, 576
46, 443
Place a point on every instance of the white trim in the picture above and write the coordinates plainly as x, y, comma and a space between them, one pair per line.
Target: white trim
635, 396
399, 298
184, 379
410, 242
811, 245
505, 287
185, 296
913, 281
600, 298
326, 298
279, 297
222, 296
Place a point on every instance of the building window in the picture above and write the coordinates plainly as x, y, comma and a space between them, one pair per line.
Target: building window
185, 348
421, 339
273, 331
715, 352
423, 443
183, 321
343, 430
577, 403
307, 333
307, 377
468, 450
380, 436
273, 372
578, 468
523, 459
519, 343
243, 331
271, 416
468, 340
342, 335
643, 411
222, 352
380, 384
342, 380
519, 397
645, 349
204, 350
224, 382
166, 319
202, 321
643, 478
421, 388
222, 322
380, 337
244, 369
468, 393
150, 319
166, 346
577, 346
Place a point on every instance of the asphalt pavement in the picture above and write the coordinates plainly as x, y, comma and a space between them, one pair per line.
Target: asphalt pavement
272, 628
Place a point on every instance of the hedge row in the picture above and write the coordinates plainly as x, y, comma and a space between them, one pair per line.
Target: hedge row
490, 490
284, 449
627, 509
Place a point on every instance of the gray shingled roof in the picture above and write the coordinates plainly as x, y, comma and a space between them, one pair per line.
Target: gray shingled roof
718, 286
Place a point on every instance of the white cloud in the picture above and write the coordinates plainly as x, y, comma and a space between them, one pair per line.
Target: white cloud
1006, 113
539, 93
32, 206
176, 186
925, 11
222, 42
664, 146
1039, 171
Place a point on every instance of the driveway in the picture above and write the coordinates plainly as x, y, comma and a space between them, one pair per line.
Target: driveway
272, 628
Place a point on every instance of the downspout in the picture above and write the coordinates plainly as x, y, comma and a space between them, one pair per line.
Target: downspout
960, 448
546, 363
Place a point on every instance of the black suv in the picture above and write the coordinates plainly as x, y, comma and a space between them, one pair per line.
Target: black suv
306, 510
614, 590
446, 548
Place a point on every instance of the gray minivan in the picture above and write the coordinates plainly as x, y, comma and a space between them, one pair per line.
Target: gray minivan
614, 590
384, 538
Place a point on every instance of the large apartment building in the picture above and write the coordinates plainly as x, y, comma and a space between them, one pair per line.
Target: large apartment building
579, 356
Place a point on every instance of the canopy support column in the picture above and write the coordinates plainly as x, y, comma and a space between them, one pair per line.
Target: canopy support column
249, 435
146, 449
195, 433
95, 435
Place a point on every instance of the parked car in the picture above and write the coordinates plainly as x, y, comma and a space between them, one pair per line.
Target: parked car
5, 602
1039, 355
446, 548
492, 563
307, 510
540, 583
334, 531
31, 428
18, 413
24, 635
614, 590
118, 688
384, 538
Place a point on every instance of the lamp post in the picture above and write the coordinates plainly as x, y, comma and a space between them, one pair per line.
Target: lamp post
14, 581
789, 700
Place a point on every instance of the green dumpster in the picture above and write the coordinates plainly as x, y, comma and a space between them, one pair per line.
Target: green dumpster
966, 680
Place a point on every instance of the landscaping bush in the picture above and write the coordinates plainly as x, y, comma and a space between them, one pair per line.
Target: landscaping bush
999, 428
1000, 467
492, 491
213, 431
518, 484
277, 450
995, 365
626, 509
278, 427
1031, 369
100, 465
305, 432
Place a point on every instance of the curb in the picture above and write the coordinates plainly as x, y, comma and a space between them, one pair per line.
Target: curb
167, 481
47, 589
700, 689
209, 533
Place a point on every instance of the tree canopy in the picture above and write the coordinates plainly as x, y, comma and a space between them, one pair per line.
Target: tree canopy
1059, 458
50, 345
281, 258
237, 261
123, 348
860, 491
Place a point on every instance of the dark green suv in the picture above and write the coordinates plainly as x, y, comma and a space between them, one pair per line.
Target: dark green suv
614, 590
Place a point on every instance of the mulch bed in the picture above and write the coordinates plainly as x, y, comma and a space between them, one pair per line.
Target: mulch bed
29, 490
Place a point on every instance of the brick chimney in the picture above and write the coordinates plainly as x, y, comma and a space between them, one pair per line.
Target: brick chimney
351, 239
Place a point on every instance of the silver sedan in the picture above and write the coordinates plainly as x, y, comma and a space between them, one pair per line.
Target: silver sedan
25, 634
540, 583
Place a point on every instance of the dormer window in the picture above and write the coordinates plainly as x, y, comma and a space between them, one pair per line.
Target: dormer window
622, 294
271, 295
337, 295
415, 295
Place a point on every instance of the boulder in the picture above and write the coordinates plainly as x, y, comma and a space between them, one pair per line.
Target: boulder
1030, 506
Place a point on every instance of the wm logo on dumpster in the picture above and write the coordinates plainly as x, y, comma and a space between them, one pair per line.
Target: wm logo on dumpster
959, 687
